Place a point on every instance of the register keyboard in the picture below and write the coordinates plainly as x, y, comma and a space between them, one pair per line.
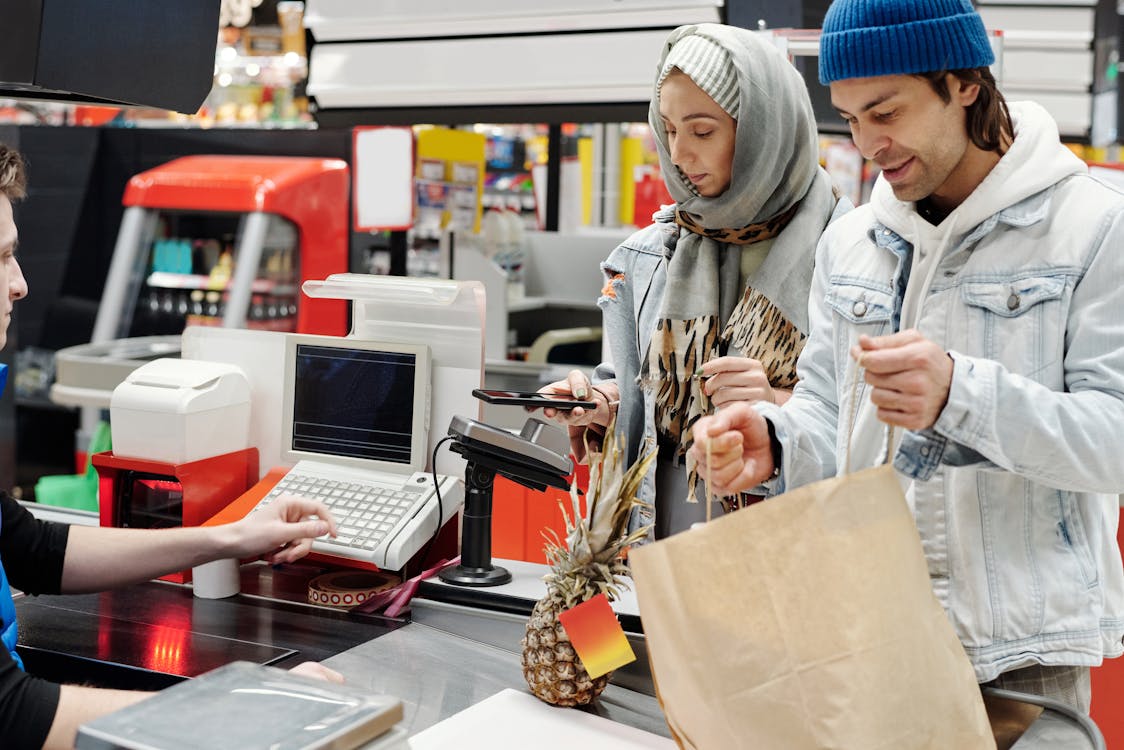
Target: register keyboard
382, 518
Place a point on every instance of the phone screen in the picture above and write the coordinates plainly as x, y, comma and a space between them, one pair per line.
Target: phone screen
532, 398
533, 395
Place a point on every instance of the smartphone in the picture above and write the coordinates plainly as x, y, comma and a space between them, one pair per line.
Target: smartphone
533, 399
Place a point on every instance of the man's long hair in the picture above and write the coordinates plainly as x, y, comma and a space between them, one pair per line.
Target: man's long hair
13, 176
989, 121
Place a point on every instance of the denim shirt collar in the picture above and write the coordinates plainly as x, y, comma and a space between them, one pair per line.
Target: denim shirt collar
1025, 213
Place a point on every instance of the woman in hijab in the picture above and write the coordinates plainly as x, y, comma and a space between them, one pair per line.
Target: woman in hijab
708, 305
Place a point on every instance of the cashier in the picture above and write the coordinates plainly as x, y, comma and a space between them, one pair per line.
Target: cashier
47, 558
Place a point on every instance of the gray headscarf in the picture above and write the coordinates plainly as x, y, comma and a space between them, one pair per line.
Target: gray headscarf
776, 164
776, 182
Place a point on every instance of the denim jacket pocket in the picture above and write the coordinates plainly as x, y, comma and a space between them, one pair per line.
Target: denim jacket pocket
1018, 322
860, 305
1011, 299
858, 310
1071, 528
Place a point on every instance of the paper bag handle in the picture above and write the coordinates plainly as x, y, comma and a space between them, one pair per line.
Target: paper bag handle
854, 416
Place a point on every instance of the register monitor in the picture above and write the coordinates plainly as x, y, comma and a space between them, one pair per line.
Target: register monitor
349, 402
355, 423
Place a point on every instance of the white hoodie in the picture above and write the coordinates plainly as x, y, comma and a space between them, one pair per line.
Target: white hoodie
1035, 161
1014, 490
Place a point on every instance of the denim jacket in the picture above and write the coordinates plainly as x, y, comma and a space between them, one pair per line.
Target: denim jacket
1014, 489
630, 303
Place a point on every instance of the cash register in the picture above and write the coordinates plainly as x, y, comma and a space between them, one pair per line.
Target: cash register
355, 422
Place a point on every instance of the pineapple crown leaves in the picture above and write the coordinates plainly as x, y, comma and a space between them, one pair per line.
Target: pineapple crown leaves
589, 562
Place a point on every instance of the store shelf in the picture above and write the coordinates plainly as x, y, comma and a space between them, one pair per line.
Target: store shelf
165, 280
542, 303
336, 20
195, 124
296, 66
518, 70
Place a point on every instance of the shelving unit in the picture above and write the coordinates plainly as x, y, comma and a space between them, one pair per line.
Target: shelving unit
290, 222
191, 281
1062, 55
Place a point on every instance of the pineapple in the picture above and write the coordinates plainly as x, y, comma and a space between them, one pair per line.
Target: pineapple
589, 563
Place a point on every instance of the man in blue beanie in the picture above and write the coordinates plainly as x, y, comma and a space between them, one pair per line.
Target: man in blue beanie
979, 294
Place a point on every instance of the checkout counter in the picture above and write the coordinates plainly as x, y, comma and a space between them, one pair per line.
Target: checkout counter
454, 656
456, 648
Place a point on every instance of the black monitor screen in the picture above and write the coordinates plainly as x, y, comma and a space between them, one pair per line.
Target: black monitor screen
353, 402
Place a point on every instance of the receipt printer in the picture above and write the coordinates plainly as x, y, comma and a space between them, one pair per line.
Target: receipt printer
180, 410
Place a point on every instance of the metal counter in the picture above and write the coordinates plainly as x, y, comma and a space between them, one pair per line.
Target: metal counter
154, 634
436, 674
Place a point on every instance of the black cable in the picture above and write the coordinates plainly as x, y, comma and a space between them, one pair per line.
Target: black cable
440, 510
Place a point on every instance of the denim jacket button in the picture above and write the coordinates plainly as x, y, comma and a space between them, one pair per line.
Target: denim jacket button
1013, 301
859, 309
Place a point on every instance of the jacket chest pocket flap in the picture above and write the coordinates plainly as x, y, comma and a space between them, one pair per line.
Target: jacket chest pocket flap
860, 305
1010, 299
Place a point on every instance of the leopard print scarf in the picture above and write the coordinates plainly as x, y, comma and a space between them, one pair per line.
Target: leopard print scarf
756, 329
747, 235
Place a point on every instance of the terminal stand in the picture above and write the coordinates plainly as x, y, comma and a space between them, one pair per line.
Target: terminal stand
475, 568
483, 463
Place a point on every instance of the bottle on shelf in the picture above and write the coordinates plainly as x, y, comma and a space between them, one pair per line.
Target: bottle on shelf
223, 270
213, 309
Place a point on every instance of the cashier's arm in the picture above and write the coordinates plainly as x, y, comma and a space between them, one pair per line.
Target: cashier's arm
77, 705
101, 558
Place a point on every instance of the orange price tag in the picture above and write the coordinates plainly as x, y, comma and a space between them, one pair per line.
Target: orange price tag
597, 636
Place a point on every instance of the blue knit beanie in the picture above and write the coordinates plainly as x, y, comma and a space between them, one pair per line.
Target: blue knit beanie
866, 38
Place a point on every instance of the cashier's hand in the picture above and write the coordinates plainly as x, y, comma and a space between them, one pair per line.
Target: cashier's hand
909, 375
318, 671
282, 531
741, 452
585, 426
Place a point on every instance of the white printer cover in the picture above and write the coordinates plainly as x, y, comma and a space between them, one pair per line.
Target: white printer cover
181, 386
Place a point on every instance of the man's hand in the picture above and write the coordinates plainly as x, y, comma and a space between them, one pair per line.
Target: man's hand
909, 377
282, 531
731, 379
741, 452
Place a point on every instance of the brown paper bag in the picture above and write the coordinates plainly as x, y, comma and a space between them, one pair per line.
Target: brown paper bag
807, 621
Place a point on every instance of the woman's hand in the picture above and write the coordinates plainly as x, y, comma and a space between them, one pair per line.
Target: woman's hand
727, 380
585, 426
606, 395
